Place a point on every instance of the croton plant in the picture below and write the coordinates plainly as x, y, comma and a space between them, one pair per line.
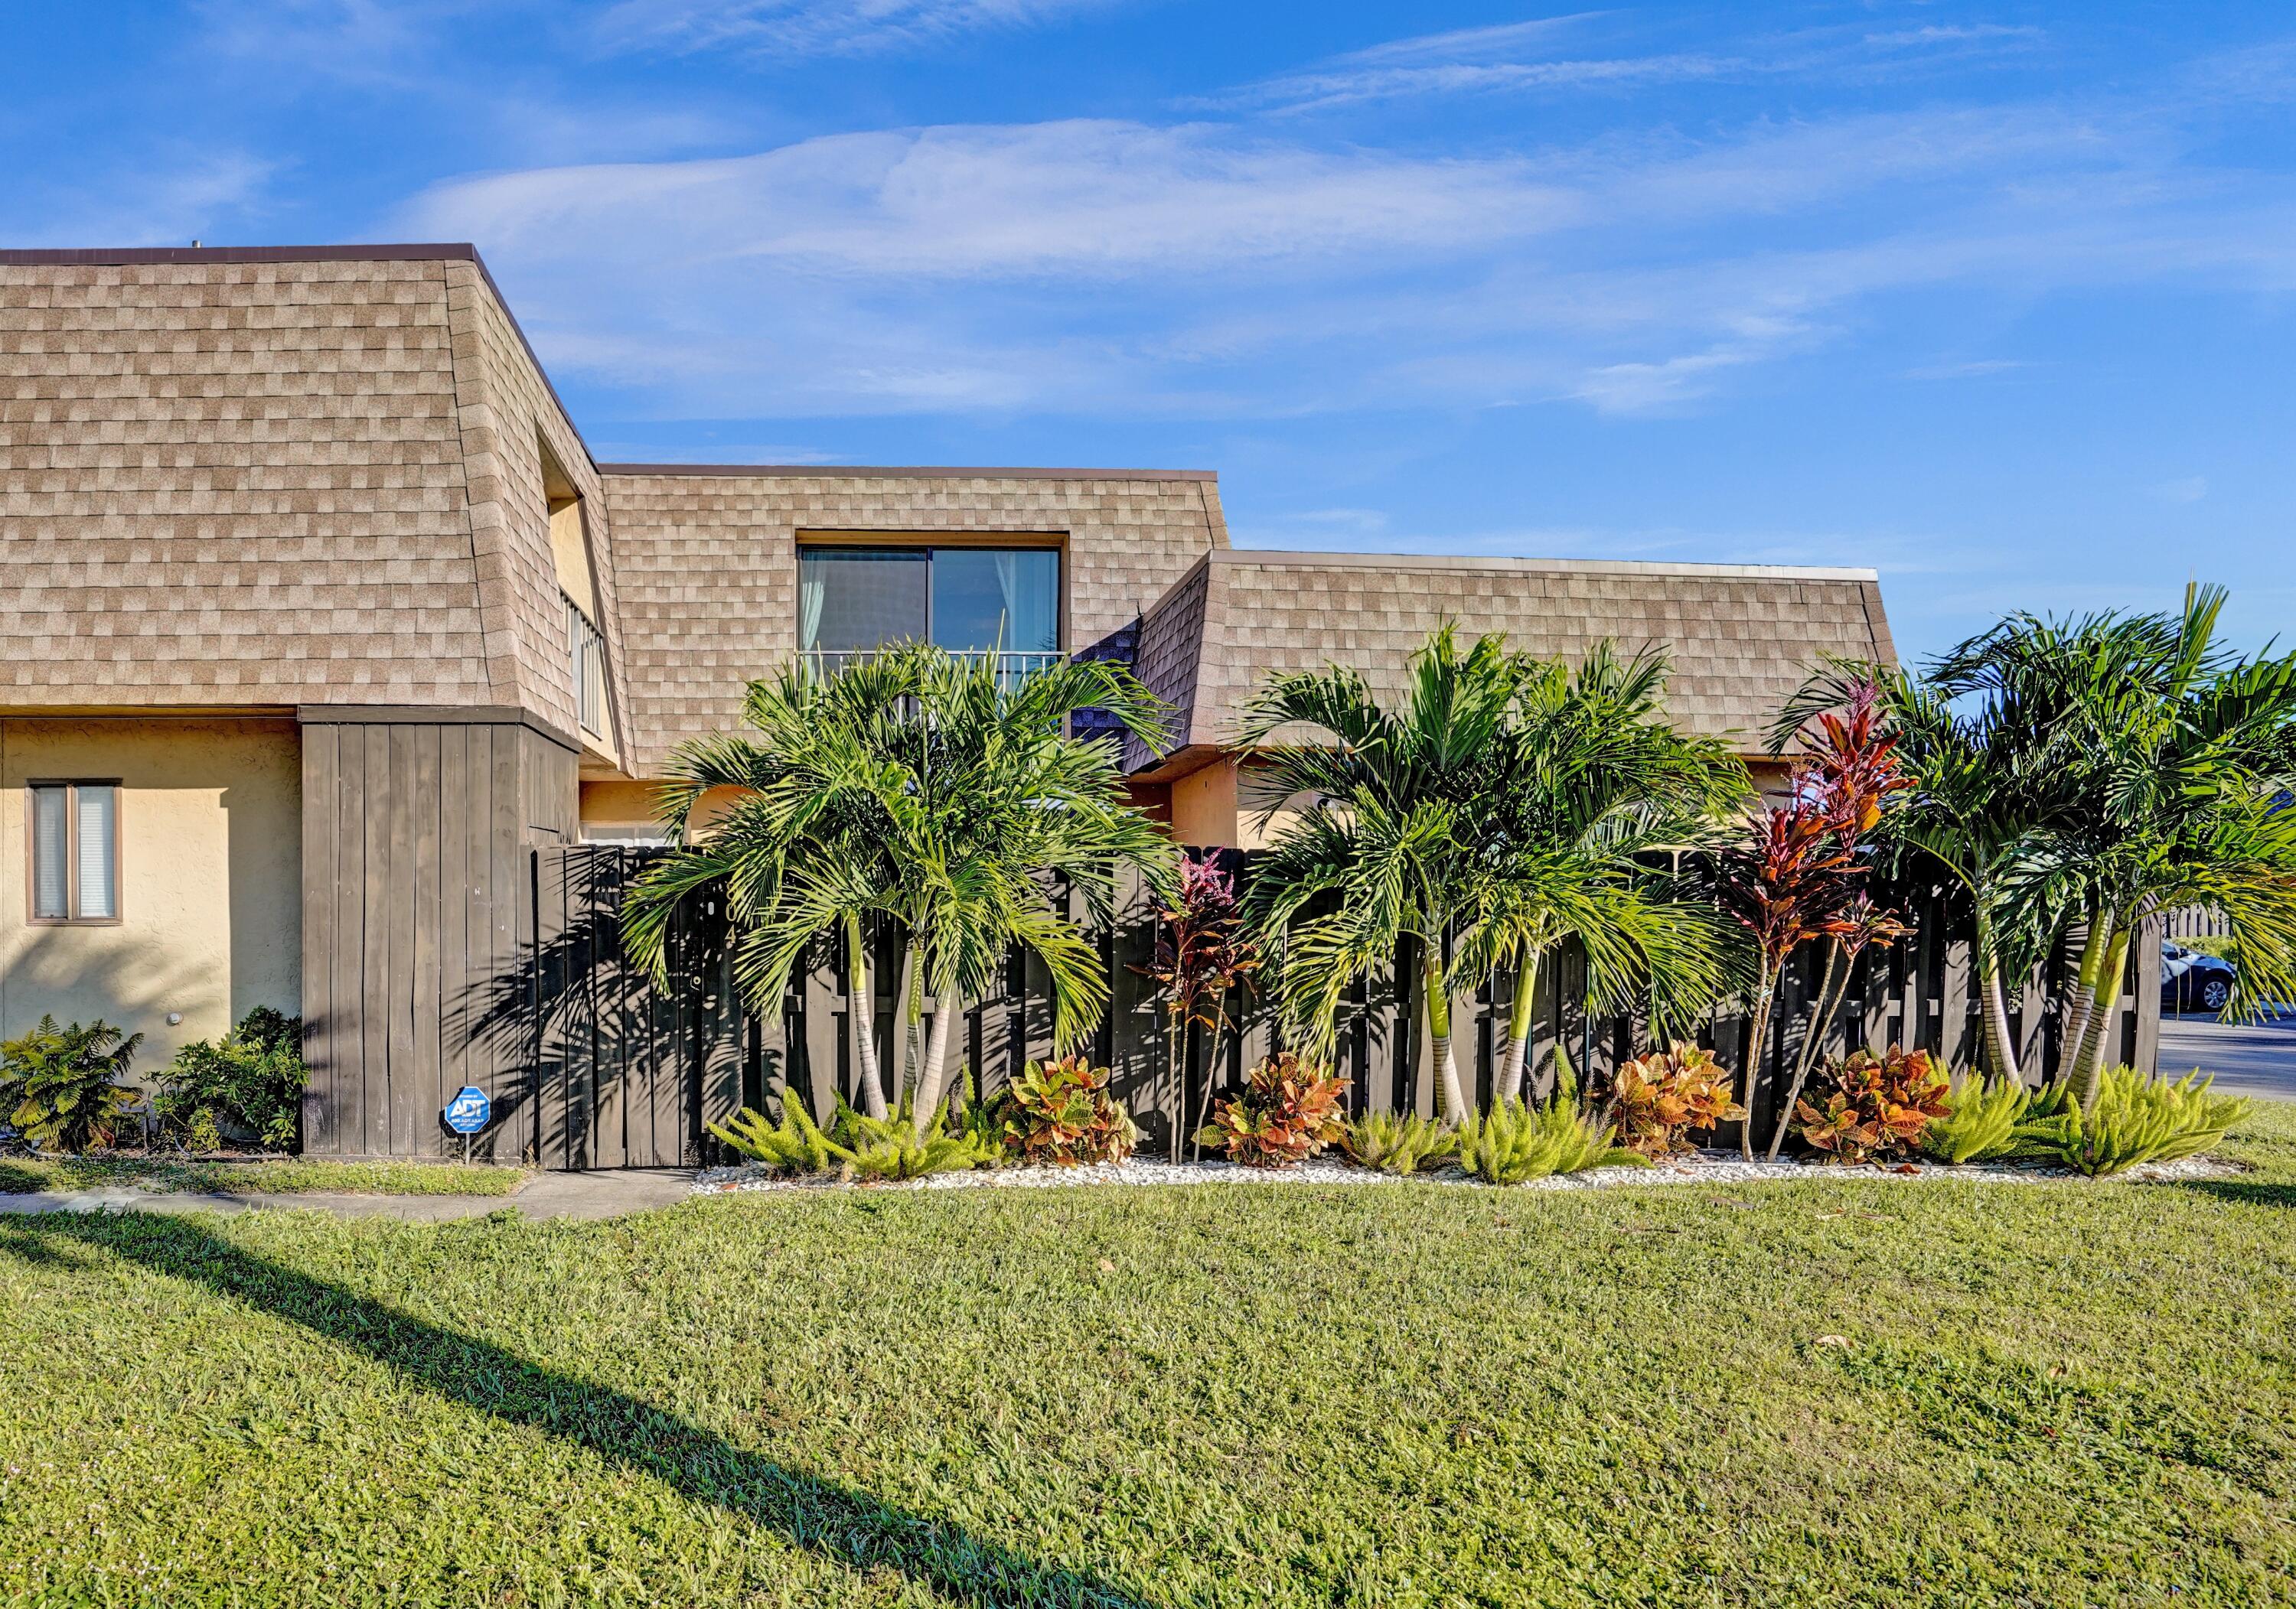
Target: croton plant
1875, 1107
1061, 1112
1289, 1111
1661, 1099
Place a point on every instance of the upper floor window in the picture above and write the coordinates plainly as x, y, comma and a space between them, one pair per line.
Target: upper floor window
855, 598
75, 847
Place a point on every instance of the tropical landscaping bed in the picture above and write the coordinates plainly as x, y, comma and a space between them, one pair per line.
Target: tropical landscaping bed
1828, 1390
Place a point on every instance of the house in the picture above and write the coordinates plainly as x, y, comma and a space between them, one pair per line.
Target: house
318, 615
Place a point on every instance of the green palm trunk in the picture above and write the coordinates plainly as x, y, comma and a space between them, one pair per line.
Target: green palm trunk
1523, 1011
1451, 1101
2089, 1070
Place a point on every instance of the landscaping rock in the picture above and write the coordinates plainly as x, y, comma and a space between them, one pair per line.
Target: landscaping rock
1703, 1167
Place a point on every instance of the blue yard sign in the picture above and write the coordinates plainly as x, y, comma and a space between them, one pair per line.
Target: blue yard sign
469, 1111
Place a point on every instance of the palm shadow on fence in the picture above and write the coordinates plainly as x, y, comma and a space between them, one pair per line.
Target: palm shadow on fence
836, 1523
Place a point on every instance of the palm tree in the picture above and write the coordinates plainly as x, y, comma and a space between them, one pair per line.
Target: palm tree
922, 786
2169, 762
1589, 783
1981, 774
1383, 850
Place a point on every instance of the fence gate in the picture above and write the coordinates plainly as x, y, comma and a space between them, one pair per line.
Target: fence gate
625, 1073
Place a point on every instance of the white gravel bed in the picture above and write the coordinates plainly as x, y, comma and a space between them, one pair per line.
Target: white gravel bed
1703, 1167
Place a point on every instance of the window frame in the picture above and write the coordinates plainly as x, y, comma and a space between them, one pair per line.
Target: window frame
924, 544
71, 786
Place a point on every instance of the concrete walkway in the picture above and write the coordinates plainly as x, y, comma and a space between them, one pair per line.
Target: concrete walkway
586, 1196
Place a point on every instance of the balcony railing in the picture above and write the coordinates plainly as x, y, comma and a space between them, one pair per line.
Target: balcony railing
586, 647
1011, 667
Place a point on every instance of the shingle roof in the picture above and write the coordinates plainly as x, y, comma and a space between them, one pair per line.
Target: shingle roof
275, 477
707, 561
1741, 637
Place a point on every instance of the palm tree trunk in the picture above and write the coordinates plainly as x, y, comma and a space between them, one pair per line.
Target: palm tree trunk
2000, 1049
2082, 1007
913, 1017
1520, 1014
2104, 1018
1750, 1076
1451, 1103
861, 1013
1813, 1044
932, 1080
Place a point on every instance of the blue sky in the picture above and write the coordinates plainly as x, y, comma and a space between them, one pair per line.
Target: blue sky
2000, 299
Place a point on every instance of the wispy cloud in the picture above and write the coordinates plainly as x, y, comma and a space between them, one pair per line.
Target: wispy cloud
171, 199
1238, 267
820, 27
2185, 488
1971, 33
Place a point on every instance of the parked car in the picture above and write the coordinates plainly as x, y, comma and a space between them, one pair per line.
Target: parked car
2191, 981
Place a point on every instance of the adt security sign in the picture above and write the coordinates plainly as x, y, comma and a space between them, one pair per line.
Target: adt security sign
469, 1111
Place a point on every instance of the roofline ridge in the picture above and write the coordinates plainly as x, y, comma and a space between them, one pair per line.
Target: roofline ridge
1525, 562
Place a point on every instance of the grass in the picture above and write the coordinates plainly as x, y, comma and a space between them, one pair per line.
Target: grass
1820, 1392
273, 1175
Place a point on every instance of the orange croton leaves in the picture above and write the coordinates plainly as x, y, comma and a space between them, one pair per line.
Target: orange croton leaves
1873, 1106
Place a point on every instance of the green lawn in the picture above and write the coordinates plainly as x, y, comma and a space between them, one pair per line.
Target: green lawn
280, 1175
1400, 1394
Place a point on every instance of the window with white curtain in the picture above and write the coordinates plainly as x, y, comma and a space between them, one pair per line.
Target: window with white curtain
855, 599
75, 851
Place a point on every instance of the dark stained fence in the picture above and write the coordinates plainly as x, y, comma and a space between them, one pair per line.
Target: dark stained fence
624, 1073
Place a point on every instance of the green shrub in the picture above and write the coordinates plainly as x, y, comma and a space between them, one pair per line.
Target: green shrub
64, 1088
1513, 1142
252, 1079
1400, 1145
857, 1147
1979, 1122
1061, 1112
2139, 1119
795, 1145
1289, 1111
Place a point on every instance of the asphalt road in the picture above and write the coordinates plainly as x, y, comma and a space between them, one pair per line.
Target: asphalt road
2248, 1060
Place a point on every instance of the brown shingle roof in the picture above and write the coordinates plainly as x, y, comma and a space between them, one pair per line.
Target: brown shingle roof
707, 561
1741, 637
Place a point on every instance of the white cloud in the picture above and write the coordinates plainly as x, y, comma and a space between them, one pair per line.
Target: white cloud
170, 200
819, 26
2187, 488
1090, 200
1209, 269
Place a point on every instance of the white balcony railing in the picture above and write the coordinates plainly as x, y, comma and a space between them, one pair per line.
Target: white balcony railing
586, 647
1011, 667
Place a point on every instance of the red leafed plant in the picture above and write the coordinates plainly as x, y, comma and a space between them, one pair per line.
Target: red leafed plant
1801, 878
1875, 1106
1289, 1111
1061, 1112
1659, 1100
1204, 955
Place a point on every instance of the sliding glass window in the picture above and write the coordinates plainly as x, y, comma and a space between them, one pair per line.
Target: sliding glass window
854, 599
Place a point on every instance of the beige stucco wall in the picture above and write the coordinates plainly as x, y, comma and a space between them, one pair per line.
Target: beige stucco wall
210, 878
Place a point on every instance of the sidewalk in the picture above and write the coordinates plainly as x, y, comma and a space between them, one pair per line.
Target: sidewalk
586, 1196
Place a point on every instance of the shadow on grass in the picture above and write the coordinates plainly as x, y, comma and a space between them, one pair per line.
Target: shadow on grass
2248, 1192
849, 1527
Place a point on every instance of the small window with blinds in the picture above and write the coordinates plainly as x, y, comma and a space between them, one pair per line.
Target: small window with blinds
75, 850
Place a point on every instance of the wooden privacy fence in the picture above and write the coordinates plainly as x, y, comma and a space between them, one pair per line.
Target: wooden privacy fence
623, 1073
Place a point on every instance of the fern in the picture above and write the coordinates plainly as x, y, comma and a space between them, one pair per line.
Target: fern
861, 1147
1400, 1145
795, 1145
2139, 1119
1513, 1142
1979, 1121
